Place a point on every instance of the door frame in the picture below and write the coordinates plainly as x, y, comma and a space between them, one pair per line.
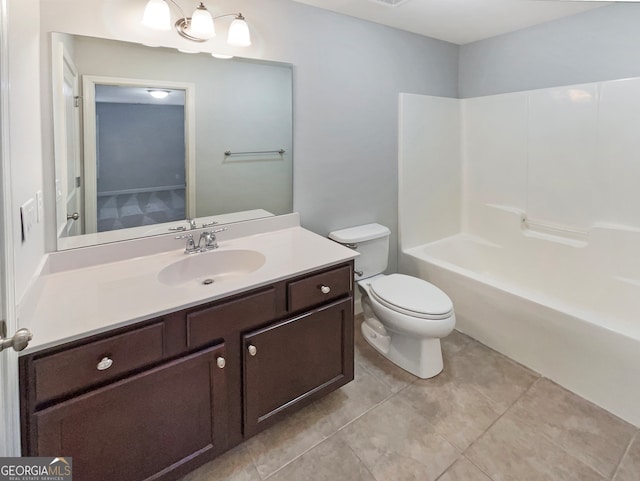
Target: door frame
89, 83
9, 393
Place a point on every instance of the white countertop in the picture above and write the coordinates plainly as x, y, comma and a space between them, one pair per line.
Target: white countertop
69, 304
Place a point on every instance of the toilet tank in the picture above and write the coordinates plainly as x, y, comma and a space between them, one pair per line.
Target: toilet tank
371, 241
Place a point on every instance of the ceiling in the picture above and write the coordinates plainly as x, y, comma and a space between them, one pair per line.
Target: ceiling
457, 21
119, 94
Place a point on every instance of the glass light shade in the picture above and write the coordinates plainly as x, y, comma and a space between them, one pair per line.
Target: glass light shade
159, 94
202, 23
239, 33
221, 56
157, 15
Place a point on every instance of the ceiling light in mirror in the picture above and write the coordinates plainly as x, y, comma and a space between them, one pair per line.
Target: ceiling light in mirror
159, 94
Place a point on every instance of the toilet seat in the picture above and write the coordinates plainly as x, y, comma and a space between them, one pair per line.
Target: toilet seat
411, 296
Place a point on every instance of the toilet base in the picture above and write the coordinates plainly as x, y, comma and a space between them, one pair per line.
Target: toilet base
420, 357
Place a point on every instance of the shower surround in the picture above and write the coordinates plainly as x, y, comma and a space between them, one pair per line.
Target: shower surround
525, 208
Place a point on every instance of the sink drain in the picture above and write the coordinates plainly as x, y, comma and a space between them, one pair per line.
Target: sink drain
206, 282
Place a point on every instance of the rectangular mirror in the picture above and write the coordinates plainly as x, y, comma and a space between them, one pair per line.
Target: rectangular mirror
146, 137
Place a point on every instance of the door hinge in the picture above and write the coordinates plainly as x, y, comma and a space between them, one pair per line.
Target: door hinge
78, 182
76, 101
3, 328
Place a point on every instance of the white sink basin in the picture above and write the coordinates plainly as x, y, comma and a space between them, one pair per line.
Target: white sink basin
208, 268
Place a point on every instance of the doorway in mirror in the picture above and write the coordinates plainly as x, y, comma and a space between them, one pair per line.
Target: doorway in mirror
140, 156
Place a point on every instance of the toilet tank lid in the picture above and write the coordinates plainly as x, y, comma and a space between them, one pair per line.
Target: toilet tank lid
361, 233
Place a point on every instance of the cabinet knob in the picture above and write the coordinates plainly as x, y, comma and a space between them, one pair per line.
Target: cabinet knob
221, 362
325, 289
253, 350
104, 364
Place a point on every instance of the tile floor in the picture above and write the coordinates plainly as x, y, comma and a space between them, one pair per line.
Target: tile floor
484, 418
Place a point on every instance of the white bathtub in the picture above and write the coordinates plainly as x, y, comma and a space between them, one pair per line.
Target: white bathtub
568, 309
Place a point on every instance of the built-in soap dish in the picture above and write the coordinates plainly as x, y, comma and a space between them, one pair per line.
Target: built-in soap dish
553, 232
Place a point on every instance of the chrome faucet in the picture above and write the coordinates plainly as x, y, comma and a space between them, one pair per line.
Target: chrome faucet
191, 244
209, 238
192, 225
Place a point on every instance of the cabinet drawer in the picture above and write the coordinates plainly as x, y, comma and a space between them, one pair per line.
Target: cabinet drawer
77, 368
319, 288
208, 325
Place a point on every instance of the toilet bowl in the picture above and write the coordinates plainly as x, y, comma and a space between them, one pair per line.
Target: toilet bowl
407, 333
404, 317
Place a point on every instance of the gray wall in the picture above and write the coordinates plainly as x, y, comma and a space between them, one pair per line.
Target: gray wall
347, 80
600, 44
140, 146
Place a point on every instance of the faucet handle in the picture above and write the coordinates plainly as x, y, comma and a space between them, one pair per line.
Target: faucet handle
222, 229
209, 240
191, 244
209, 224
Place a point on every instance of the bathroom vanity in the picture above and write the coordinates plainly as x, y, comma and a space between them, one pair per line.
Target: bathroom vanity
154, 398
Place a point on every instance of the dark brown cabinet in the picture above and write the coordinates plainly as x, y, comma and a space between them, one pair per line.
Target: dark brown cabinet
290, 362
156, 399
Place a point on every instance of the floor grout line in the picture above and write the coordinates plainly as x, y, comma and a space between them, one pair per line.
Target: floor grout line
478, 467
464, 452
553, 441
326, 438
501, 415
373, 476
624, 455
448, 467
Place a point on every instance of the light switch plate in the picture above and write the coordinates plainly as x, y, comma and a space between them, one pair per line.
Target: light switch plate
40, 206
28, 218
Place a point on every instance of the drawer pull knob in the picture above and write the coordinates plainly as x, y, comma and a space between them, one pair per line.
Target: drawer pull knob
325, 289
104, 364
253, 350
221, 362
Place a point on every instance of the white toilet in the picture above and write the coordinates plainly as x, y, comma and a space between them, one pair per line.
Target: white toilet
404, 317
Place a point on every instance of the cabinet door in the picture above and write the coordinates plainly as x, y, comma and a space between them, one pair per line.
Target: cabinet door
291, 363
143, 425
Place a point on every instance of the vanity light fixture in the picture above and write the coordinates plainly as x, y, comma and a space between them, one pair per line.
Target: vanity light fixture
158, 94
199, 27
221, 56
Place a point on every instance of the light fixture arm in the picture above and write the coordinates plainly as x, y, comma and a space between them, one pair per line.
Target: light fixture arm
237, 15
184, 16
